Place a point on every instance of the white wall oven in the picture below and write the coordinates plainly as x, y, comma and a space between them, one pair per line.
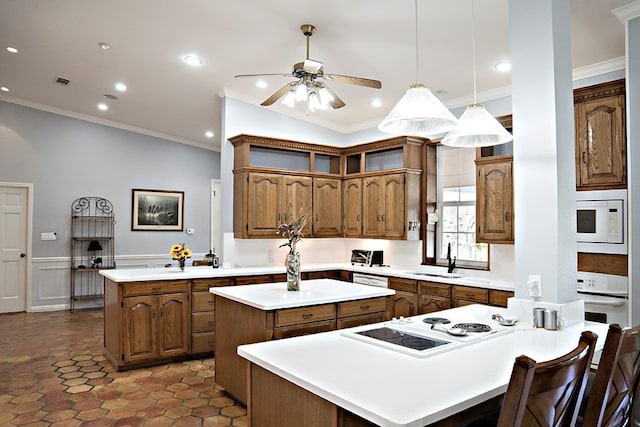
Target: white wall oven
605, 296
601, 221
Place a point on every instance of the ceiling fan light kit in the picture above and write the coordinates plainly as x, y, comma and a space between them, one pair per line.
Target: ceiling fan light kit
418, 113
308, 89
477, 128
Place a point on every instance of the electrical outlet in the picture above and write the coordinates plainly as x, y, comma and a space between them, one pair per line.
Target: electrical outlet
190, 231
535, 285
48, 236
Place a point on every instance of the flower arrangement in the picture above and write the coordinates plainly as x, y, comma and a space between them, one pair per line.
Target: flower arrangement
292, 232
180, 252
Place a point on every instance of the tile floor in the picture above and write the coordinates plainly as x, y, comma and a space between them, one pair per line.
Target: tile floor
53, 373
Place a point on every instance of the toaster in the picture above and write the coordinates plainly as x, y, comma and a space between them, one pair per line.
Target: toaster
366, 257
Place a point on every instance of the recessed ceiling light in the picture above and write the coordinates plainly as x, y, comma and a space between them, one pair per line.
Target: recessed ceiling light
103, 107
261, 84
104, 46
193, 60
12, 49
503, 66
208, 134
121, 86
376, 103
4, 88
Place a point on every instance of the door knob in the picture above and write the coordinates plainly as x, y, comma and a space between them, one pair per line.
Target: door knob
23, 255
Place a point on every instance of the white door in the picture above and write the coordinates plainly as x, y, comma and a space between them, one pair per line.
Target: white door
13, 249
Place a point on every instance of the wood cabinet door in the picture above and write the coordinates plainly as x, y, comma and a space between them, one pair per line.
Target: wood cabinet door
139, 329
601, 143
494, 204
404, 304
327, 207
372, 206
352, 207
263, 205
297, 196
174, 330
393, 217
431, 304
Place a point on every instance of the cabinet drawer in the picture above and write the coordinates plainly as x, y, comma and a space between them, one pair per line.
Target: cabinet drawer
436, 289
499, 298
153, 288
365, 319
203, 342
205, 284
202, 301
363, 306
406, 285
267, 278
202, 322
472, 294
304, 329
314, 313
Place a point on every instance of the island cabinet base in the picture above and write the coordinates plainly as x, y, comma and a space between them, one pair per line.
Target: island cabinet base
276, 402
238, 323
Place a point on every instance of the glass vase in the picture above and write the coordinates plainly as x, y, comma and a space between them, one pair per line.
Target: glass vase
181, 263
293, 271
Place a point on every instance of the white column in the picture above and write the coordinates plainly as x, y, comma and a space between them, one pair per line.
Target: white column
630, 16
543, 148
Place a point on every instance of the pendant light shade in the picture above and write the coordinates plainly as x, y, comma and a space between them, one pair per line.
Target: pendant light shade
477, 128
418, 113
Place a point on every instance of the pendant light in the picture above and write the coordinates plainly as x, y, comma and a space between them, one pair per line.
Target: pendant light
476, 127
419, 112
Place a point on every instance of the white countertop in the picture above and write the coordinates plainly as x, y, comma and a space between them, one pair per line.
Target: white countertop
418, 273
390, 388
274, 296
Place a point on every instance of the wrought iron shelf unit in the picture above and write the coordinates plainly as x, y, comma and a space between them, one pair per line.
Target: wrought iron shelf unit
92, 250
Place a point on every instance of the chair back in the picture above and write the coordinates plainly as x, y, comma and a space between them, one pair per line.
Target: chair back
615, 387
548, 393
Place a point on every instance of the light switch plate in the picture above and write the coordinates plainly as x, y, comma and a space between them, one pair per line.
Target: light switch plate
48, 236
535, 285
190, 231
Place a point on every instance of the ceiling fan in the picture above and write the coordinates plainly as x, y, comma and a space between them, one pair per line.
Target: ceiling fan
308, 86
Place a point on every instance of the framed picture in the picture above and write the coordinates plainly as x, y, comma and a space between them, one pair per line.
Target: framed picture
157, 210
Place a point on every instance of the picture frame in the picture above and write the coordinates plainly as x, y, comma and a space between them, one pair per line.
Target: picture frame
157, 210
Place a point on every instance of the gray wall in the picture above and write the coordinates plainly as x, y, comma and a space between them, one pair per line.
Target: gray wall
66, 158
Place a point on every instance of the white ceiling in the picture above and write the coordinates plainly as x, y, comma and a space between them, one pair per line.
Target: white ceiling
365, 38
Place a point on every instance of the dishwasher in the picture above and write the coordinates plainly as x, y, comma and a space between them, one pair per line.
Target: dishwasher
371, 280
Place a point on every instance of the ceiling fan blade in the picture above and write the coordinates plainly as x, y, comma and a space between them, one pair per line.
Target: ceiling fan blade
360, 81
277, 95
260, 75
336, 102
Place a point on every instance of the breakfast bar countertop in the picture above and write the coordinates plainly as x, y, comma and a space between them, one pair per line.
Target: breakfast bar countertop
274, 296
392, 388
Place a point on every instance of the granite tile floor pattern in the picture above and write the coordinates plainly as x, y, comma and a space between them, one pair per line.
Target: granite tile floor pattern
53, 373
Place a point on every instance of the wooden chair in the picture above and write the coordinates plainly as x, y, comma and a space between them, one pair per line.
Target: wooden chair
615, 387
548, 393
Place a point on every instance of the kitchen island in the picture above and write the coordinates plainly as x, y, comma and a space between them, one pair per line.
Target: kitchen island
336, 379
256, 313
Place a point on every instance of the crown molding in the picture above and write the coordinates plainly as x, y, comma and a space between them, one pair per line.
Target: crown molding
628, 12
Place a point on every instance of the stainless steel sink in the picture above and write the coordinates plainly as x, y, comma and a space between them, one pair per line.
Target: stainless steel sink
442, 275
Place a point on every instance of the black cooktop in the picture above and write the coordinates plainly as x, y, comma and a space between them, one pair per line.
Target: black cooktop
403, 339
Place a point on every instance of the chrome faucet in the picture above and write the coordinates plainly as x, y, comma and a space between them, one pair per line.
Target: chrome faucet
450, 264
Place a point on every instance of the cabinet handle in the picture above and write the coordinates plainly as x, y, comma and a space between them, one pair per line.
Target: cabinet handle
364, 307
212, 301
153, 313
316, 217
307, 316
507, 217
278, 217
377, 218
358, 218
210, 342
284, 217
155, 289
383, 218
584, 157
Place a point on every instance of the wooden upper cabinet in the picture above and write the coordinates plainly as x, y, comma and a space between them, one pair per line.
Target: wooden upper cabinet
264, 210
372, 206
297, 193
494, 204
601, 161
352, 207
327, 202
393, 217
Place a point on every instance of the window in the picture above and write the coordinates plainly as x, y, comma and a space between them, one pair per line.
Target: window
457, 209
